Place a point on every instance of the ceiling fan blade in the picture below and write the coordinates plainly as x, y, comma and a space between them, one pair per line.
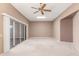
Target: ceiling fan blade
43, 6
34, 8
42, 12
41, 3
36, 12
47, 10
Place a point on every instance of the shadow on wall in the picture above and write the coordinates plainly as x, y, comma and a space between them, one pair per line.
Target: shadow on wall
66, 28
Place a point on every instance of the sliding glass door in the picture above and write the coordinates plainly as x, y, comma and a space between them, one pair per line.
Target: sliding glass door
11, 34
22, 32
14, 30
17, 33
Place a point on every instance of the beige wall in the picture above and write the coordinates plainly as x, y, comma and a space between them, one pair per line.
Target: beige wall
76, 31
56, 29
9, 9
40, 29
73, 8
56, 24
66, 29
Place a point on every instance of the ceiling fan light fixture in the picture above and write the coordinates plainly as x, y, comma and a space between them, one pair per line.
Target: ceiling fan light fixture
41, 17
41, 8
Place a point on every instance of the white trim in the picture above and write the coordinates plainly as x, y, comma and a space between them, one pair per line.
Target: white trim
14, 34
20, 32
6, 30
5, 14
41, 37
24, 32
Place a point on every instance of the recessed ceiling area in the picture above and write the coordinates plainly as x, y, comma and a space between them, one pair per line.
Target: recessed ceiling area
27, 11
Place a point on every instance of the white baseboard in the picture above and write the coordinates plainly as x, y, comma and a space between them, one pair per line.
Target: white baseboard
42, 37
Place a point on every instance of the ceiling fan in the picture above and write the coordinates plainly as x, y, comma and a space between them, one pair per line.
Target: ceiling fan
42, 9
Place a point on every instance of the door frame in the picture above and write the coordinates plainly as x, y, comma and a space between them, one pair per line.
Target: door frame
6, 31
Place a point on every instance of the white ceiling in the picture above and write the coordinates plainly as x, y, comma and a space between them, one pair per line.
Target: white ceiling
27, 11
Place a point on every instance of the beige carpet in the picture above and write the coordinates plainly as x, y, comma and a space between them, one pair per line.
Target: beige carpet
43, 47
